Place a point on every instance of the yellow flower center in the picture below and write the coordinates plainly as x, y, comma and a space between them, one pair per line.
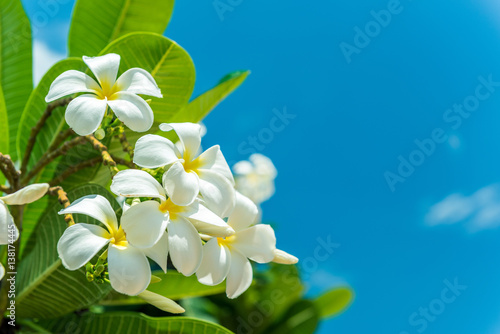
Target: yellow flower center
107, 91
227, 241
171, 208
191, 166
118, 238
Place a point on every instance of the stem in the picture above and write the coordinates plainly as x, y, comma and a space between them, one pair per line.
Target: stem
10, 171
36, 130
61, 136
127, 148
5, 189
63, 199
107, 160
48, 157
123, 162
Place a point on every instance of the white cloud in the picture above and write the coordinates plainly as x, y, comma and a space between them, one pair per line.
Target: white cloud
478, 211
43, 59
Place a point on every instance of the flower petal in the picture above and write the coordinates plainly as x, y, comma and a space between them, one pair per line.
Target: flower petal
244, 214
215, 264
144, 224
136, 183
26, 195
138, 81
95, 206
105, 68
8, 230
217, 191
163, 303
2, 271
71, 82
129, 270
80, 243
240, 275
189, 134
283, 257
181, 187
159, 252
213, 160
205, 221
132, 110
257, 243
152, 151
84, 114
185, 245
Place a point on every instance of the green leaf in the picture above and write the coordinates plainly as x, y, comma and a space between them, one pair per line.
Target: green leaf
34, 109
15, 64
45, 289
197, 109
169, 64
95, 23
334, 302
130, 323
4, 129
173, 285
301, 318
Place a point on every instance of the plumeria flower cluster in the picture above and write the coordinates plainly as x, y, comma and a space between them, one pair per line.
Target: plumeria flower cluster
182, 202
9, 232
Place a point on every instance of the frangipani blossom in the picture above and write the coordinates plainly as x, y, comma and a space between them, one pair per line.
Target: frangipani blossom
128, 266
229, 257
8, 230
189, 172
255, 178
146, 222
84, 114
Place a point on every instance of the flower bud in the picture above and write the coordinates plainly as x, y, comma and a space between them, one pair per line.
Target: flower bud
99, 134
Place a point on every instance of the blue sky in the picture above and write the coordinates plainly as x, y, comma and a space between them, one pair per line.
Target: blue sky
399, 248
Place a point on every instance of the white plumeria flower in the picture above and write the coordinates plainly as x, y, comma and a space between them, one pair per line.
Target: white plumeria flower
190, 173
228, 257
146, 222
8, 230
128, 266
255, 178
84, 114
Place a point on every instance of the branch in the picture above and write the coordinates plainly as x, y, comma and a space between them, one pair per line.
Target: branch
124, 162
8, 168
62, 197
107, 160
5, 189
36, 130
61, 136
73, 169
48, 157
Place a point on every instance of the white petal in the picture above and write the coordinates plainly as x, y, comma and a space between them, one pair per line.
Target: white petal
136, 183
129, 270
8, 230
2, 271
189, 134
243, 167
105, 68
215, 264
138, 81
71, 82
95, 206
144, 224
184, 245
283, 257
80, 243
240, 275
159, 252
244, 214
217, 191
132, 110
213, 160
257, 243
181, 187
84, 114
152, 151
263, 165
163, 303
28, 194
205, 221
